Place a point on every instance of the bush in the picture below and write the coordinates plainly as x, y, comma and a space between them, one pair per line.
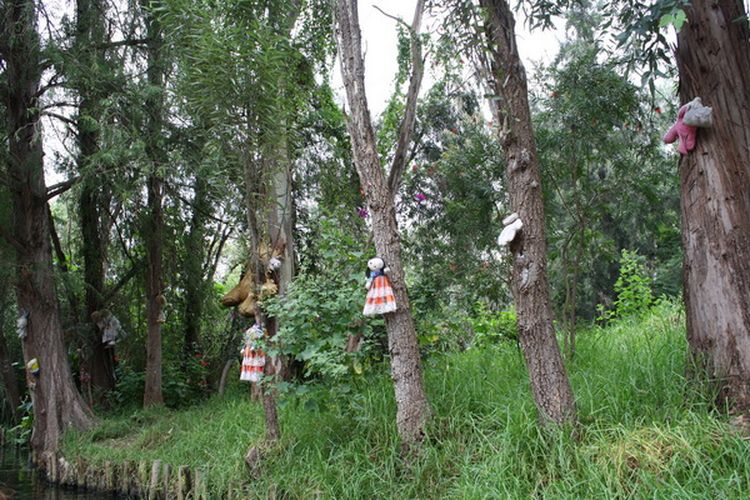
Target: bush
492, 327
633, 289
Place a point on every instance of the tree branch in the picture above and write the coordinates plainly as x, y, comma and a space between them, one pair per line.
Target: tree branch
59, 253
123, 281
64, 119
61, 187
122, 43
214, 264
406, 128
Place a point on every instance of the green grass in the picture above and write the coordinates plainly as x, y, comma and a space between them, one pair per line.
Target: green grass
645, 432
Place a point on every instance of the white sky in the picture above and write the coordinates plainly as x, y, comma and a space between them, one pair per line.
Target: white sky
379, 45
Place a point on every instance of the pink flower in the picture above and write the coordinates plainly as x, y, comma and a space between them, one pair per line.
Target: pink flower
362, 212
420, 197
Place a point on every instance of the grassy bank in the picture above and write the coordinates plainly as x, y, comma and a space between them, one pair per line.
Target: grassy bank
645, 431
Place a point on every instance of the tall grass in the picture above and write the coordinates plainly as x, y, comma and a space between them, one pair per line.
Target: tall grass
645, 431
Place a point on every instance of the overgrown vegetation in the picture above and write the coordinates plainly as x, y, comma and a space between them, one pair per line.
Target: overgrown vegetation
646, 431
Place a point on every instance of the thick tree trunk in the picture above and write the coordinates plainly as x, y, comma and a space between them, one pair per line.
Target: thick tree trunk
57, 403
714, 64
412, 409
89, 34
152, 394
549, 381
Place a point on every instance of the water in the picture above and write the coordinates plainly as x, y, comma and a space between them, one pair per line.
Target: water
19, 481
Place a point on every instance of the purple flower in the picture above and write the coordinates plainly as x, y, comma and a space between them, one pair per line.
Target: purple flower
362, 212
420, 197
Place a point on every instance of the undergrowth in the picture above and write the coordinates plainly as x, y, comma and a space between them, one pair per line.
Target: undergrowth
644, 431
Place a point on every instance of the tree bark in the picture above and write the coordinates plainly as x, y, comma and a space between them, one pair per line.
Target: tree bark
152, 394
56, 401
90, 34
194, 258
412, 409
549, 381
713, 58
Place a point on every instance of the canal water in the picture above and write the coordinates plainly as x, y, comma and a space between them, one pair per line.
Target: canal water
19, 481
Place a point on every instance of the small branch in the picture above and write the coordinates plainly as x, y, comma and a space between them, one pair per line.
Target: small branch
122, 43
217, 256
60, 117
406, 128
123, 281
59, 104
61, 187
397, 19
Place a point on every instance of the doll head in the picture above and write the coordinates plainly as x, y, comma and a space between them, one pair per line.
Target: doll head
375, 264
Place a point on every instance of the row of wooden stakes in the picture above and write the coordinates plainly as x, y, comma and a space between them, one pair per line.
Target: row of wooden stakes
148, 480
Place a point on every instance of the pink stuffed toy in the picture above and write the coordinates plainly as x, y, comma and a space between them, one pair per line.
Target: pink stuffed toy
686, 133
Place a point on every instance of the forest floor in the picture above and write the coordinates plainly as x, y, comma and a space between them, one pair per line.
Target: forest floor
644, 431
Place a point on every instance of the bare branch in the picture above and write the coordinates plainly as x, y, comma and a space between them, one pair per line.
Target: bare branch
397, 19
61, 187
60, 117
406, 128
122, 43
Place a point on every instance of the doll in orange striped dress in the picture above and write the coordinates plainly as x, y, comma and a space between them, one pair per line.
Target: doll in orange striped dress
253, 357
380, 297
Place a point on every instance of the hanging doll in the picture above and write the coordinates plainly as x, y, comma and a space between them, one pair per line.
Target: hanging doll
690, 117
253, 358
380, 298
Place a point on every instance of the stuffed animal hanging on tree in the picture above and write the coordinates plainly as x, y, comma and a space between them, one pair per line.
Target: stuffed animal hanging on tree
690, 117
253, 357
380, 298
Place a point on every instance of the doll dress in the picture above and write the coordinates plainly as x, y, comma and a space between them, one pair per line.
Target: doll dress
380, 297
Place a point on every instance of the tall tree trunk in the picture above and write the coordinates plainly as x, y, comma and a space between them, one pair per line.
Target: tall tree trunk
152, 394
412, 409
57, 403
714, 63
89, 38
549, 381
100, 360
194, 258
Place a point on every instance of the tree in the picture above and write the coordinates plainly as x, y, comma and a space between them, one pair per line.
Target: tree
713, 58
94, 195
57, 403
154, 226
598, 139
549, 381
412, 409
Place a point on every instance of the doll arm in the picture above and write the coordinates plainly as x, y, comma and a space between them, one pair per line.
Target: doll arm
670, 136
688, 140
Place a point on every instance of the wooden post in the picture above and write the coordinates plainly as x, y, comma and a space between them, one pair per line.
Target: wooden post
80, 473
183, 483
153, 483
165, 481
200, 485
142, 479
108, 478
